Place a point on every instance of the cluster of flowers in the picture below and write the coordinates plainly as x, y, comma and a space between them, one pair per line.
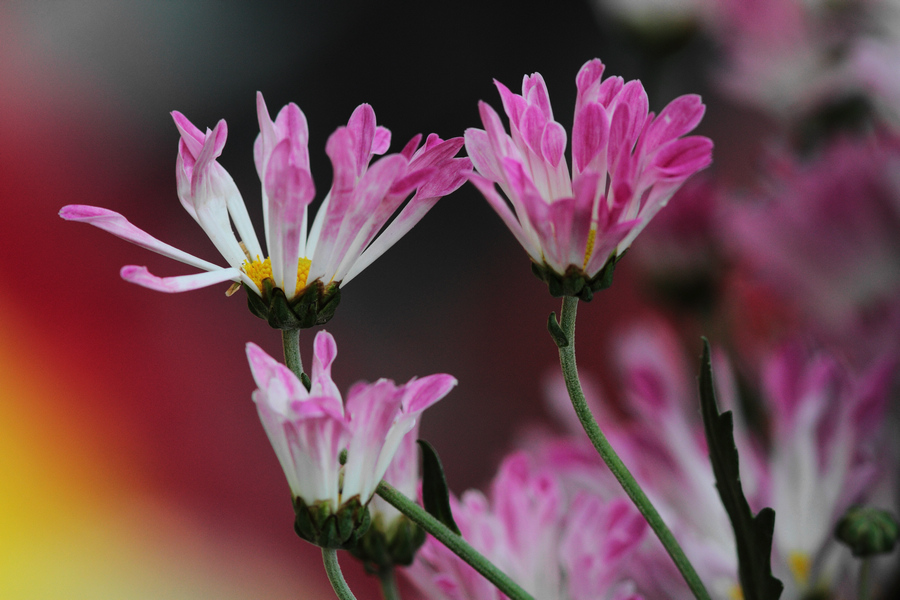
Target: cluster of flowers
556, 521
787, 57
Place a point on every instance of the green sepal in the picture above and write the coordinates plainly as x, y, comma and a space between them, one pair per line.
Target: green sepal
556, 332
868, 531
383, 548
435, 494
575, 282
256, 304
753, 534
315, 305
317, 524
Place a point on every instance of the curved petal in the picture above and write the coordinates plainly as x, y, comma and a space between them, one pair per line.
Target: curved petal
419, 394
114, 223
180, 283
290, 189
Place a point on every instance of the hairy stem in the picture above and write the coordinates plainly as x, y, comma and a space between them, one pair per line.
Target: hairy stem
333, 570
609, 456
454, 542
388, 581
290, 341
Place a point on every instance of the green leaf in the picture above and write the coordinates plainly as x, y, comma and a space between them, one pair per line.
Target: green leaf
556, 332
435, 495
753, 534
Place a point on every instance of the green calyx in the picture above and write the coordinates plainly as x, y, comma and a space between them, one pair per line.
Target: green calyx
868, 531
340, 530
315, 305
575, 282
382, 548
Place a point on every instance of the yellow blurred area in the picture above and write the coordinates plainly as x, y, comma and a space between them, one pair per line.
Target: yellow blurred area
75, 524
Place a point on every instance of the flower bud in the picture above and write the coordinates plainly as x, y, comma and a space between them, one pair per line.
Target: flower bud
384, 547
867, 531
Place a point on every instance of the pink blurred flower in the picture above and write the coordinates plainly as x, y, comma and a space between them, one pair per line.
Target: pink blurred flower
627, 163
310, 429
828, 451
340, 242
826, 240
827, 447
786, 57
553, 547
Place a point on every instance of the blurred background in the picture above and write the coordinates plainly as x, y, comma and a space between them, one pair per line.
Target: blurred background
132, 462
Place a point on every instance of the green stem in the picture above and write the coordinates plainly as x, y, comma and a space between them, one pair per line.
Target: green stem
864, 578
388, 581
454, 542
333, 570
609, 456
290, 340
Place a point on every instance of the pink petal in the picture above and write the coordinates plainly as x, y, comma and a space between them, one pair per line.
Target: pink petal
588, 77
419, 394
621, 140
534, 90
266, 140
410, 148
119, 226
531, 126
382, 140
211, 150
609, 89
513, 105
362, 126
190, 134
352, 217
606, 242
324, 354
291, 125
486, 187
265, 369
501, 143
480, 151
553, 143
678, 118
683, 157
290, 189
181, 283
590, 134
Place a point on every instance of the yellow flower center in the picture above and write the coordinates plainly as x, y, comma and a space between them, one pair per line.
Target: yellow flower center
799, 564
592, 236
258, 270
735, 593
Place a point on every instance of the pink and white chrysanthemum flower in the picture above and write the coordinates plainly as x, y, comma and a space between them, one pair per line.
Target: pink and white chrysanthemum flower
310, 429
828, 453
627, 163
553, 547
340, 242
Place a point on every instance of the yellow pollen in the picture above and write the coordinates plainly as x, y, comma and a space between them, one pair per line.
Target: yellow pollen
590, 247
258, 270
800, 565
736, 593
302, 273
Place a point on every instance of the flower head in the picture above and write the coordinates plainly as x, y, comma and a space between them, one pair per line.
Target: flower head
555, 547
626, 164
297, 283
309, 430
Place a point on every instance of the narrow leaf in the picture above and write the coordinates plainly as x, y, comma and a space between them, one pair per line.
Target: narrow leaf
753, 534
435, 495
556, 332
